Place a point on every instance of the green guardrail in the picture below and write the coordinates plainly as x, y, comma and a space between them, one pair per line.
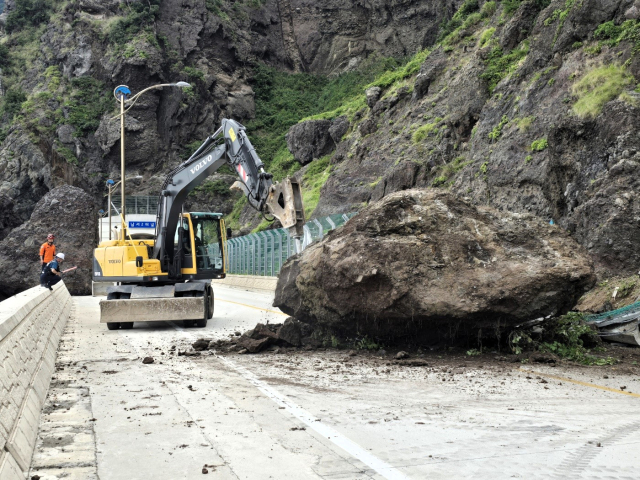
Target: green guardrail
265, 252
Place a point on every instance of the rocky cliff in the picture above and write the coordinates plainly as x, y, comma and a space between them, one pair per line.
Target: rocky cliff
527, 106
524, 106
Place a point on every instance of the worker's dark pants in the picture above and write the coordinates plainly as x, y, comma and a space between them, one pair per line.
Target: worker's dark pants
42, 273
49, 280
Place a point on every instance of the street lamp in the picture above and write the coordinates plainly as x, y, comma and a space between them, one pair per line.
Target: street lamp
111, 186
123, 95
101, 215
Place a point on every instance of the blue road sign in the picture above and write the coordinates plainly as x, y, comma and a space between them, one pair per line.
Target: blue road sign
142, 224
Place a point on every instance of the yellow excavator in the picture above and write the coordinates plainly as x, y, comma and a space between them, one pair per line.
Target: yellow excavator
168, 277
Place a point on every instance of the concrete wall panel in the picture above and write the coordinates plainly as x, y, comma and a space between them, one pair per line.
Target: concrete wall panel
31, 324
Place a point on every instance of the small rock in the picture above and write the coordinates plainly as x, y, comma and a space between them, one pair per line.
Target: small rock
352, 353
237, 334
147, 360
204, 470
402, 354
373, 95
624, 387
200, 344
543, 381
243, 351
35, 477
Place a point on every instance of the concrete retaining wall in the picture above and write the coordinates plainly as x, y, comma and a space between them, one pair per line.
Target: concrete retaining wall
252, 282
31, 324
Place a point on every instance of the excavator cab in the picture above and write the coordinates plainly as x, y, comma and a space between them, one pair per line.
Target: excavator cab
200, 241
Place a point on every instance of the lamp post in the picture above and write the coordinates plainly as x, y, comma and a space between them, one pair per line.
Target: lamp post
111, 186
101, 214
122, 93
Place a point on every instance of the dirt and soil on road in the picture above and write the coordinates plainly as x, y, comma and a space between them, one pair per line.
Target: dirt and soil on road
326, 365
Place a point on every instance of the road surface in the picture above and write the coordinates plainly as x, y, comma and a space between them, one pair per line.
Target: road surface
319, 414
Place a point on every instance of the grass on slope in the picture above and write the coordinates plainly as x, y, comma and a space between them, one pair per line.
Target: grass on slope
283, 99
599, 86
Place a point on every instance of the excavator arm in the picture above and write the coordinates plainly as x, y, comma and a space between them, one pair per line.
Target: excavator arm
228, 145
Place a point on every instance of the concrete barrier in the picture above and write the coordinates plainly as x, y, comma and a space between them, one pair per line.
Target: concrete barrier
31, 324
252, 282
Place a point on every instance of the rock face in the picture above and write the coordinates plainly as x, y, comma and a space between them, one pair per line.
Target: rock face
427, 263
70, 214
310, 140
471, 129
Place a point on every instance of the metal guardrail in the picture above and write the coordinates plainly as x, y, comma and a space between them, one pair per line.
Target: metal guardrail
136, 205
265, 252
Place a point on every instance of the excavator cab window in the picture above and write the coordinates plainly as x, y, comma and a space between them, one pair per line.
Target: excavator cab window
184, 230
208, 242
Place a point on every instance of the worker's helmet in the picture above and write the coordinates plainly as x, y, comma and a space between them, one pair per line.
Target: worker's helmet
60, 256
51, 236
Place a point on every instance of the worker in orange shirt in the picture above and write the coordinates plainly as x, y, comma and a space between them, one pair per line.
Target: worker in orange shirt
47, 252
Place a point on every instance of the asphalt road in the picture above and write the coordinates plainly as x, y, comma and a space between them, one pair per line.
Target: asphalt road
321, 414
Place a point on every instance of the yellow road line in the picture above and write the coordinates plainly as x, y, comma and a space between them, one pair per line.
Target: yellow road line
251, 306
584, 384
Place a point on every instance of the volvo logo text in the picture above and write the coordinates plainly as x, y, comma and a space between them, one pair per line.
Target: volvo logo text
202, 164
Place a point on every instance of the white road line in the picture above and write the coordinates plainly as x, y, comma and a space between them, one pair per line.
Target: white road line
380, 466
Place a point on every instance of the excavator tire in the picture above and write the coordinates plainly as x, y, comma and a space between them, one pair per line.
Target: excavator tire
202, 322
113, 325
210, 303
126, 325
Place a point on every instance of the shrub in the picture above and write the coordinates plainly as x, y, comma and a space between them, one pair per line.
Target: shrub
488, 9
447, 28
27, 13
312, 182
539, 145
138, 15
193, 73
89, 101
485, 36
497, 130
499, 65
13, 100
524, 123
216, 187
597, 87
5, 60
421, 133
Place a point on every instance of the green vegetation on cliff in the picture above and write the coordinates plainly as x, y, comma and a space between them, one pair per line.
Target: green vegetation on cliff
283, 99
598, 87
27, 13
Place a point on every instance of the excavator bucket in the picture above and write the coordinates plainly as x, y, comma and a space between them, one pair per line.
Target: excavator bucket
285, 203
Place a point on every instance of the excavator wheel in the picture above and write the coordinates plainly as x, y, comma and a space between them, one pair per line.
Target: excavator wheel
113, 325
202, 322
210, 303
126, 325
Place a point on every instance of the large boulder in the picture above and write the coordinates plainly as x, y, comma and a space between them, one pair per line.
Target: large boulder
425, 263
70, 214
310, 140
